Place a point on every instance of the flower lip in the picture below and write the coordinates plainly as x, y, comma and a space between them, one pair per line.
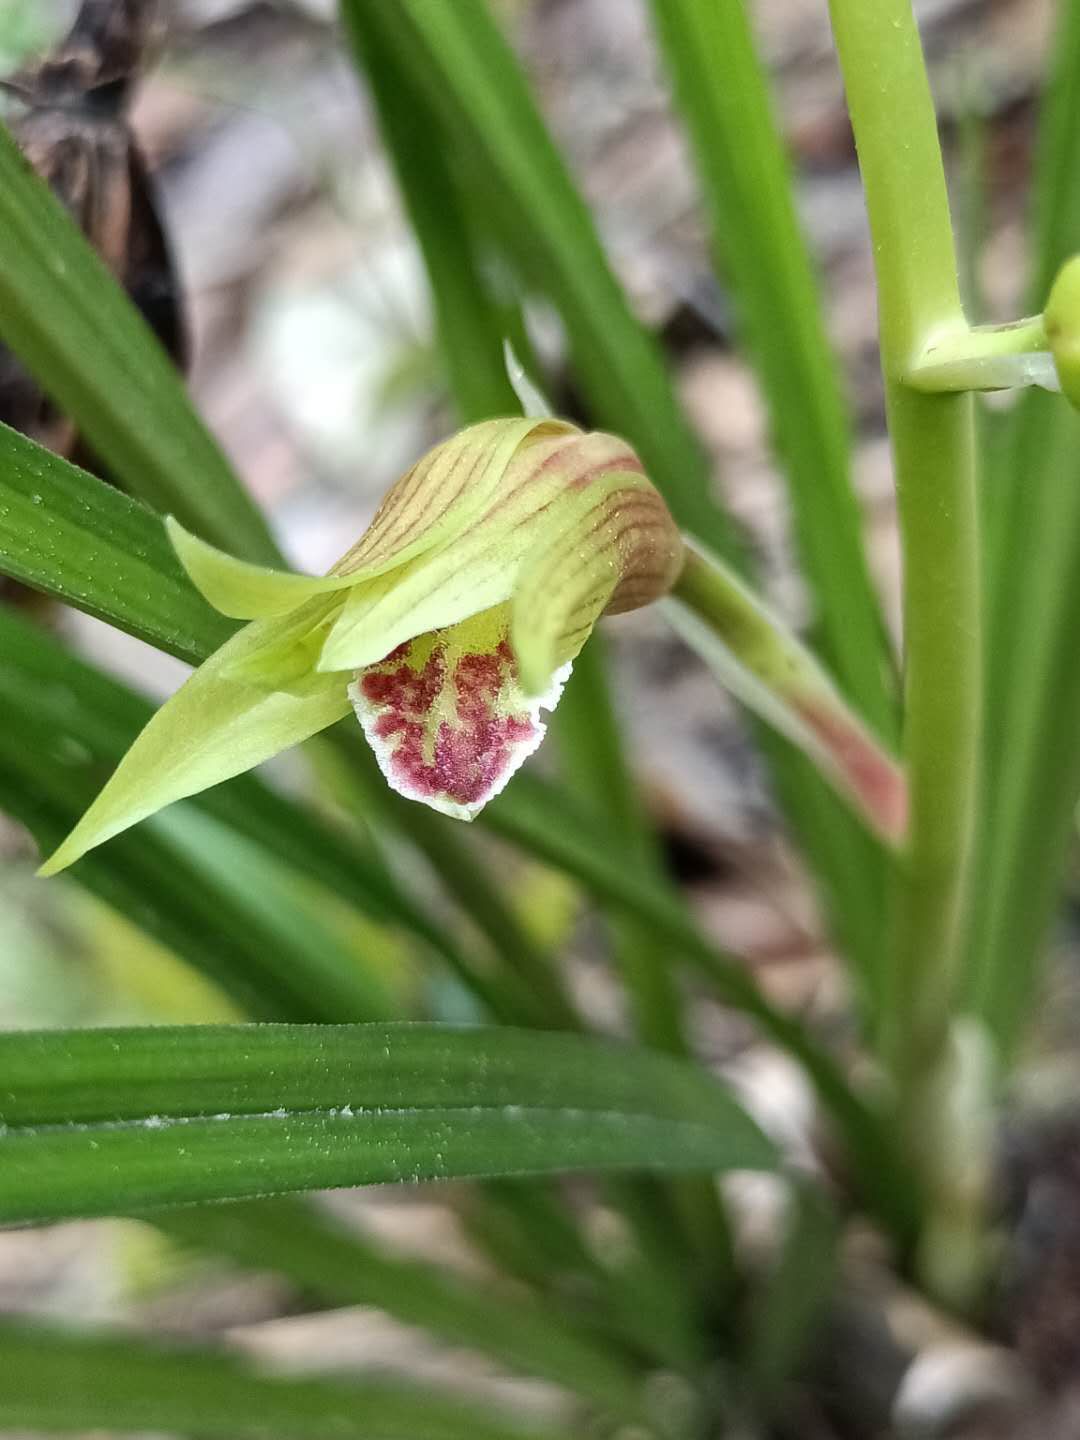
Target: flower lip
446, 716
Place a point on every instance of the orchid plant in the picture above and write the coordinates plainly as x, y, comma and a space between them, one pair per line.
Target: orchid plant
931, 796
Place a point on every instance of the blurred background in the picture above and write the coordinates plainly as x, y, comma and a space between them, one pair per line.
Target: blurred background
315, 365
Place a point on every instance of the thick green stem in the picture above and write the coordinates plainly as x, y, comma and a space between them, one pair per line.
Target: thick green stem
932, 437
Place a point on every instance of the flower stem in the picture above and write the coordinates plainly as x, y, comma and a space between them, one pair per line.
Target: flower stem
932, 436
775, 676
987, 357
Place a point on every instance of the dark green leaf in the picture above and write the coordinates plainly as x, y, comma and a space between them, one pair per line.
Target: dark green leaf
469, 327
343, 1267
747, 183
72, 536
55, 1381
791, 1300
66, 317
1031, 747
104, 1121
474, 84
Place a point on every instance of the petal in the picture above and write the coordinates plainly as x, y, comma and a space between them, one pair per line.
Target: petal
242, 590
446, 717
432, 592
614, 548
442, 493
214, 727
557, 475
428, 506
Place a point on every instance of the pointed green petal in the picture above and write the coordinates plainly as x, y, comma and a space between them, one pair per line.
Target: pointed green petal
430, 505
244, 591
214, 727
430, 593
443, 492
611, 547
558, 473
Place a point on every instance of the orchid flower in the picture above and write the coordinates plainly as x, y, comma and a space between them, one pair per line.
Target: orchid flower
447, 628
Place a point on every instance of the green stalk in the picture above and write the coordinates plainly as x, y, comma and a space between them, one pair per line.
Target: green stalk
988, 357
932, 437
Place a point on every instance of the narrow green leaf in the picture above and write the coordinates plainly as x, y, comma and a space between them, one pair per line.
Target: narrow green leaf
474, 84
537, 993
67, 318
71, 536
749, 196
214, 899
505, 1216
57, 1382
791, 1300
1031, 743
469, 328
1056, 209
544, 821
104, 1121
596, 770
343, 1267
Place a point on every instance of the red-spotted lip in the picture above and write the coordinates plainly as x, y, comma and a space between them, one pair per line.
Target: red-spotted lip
451, 726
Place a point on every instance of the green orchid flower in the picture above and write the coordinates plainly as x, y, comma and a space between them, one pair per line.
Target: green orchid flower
447, 628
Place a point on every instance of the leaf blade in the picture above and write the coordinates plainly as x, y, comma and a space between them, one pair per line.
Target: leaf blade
59, 306
344, 1267
73, 537
58, 1381
97, 1120
748, 192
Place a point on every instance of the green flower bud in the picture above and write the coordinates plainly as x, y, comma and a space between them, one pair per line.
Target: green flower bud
1062, 321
